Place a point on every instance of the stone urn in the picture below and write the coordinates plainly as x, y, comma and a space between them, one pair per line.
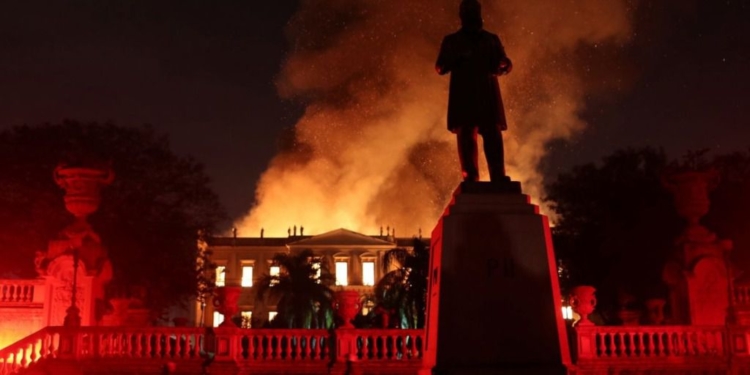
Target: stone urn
225, 302
655, 310
119, 314
82, 188
583, 301
690, 191
347, 304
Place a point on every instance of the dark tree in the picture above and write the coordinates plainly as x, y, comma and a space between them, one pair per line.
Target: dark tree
148, 219
618, 224
403, 291
303, 298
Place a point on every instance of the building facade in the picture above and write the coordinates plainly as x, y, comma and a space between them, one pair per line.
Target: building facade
354, 259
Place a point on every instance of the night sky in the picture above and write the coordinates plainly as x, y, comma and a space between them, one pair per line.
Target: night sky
204, 72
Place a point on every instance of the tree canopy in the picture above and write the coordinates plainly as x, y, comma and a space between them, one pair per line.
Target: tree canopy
403, 291
304, 298
148, 219
617, 223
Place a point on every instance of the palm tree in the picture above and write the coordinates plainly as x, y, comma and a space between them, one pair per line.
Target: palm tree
304, 296
403, 291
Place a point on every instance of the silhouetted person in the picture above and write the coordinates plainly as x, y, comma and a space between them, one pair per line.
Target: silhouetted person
209, 349
475, 57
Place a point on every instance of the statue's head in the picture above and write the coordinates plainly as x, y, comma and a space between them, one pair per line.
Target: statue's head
470, 12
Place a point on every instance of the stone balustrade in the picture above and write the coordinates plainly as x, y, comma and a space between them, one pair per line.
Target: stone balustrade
41, 345
405, 345
136, 350
622, 342
22, 291
680, 349
293, 345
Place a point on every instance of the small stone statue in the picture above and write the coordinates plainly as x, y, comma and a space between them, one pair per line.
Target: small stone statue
475, 58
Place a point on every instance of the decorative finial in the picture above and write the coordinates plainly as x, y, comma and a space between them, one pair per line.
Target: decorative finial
262, 230
234, 232
381, 231
295, 230
301, 230
289, 231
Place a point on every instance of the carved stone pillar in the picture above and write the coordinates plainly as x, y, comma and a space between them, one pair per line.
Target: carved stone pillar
697, 274
82, 187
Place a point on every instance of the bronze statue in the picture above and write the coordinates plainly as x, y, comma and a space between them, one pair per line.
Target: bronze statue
475, 57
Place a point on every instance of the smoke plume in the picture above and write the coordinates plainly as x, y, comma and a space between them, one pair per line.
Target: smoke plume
372, 149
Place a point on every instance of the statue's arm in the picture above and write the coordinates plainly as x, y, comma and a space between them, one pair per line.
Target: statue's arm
503, 63
445, 60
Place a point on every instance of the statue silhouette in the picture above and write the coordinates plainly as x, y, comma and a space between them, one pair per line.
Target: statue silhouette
475, 57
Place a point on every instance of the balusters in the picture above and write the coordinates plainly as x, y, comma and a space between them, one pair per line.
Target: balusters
138, 353
254, 347
128, 344
317, 348
278, 346
265, 345
289, 350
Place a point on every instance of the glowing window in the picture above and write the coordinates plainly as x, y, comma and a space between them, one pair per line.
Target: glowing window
274, 271
220, 275
272, 315
247, 276
247, 319
368, 272
342, 273
567, 312
218, 318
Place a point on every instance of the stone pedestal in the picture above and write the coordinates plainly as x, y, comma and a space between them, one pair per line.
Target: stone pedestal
494, 303
698, 273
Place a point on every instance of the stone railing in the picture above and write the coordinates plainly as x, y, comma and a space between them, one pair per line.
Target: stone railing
40, 345
22, 291
141, 350
607, 349
404, 345
650, 342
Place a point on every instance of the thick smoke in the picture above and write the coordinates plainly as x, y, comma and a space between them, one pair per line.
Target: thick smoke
372, 149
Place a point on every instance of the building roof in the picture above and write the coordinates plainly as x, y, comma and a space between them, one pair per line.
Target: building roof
249, 241
335, 238
342, 237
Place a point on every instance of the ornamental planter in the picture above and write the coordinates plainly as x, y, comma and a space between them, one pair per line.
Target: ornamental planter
225, 302
655, 310
347, 305
583, 301
82, 188
690, 191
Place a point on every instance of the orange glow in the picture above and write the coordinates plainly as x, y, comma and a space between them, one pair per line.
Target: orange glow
372, 146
